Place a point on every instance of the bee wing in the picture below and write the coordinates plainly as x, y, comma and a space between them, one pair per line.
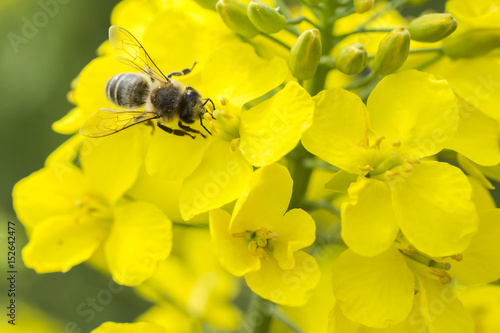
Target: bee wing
129, 51
108, 121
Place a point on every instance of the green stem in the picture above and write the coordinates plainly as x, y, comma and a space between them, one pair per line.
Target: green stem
189, 225
362, 30
276, 40
258, 315
299, 20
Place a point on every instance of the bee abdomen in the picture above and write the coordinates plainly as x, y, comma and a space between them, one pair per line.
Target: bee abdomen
128, 90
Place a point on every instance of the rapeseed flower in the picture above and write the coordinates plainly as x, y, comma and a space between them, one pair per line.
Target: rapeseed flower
70, 212
262, 243
383, 145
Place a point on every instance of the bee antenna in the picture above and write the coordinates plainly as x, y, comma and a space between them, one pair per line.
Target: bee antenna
206, 101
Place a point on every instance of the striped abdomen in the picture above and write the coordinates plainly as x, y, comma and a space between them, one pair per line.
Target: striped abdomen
128, 90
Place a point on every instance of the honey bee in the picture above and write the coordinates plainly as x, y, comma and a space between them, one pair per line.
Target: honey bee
163, 99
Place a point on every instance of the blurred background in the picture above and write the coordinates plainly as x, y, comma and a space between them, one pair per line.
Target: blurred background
44, 46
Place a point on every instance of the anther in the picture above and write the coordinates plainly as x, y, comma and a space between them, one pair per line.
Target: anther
234, 144
457, 257
366, 168
239, 234
223, 101
396, 144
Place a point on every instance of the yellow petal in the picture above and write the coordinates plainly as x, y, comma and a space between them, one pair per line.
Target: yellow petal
71, 122
295, 230
273, 128
218, 180
473, 15
476, 81
140, 237
481, 196
48, 192
60, 242
232, 251
140, 327
441, 308
369, 225
477, 136
415, 109
434, 208
375, 291
174, 157
237, 73
291, 287
481, 259
264, 201
339, 129
111, 164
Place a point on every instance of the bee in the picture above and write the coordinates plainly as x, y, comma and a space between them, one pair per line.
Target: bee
163, 99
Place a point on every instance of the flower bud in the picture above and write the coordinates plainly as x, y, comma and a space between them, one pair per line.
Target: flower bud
351, 59
362, 6
432, 27
234, 15
305, 54
473, 43
265, 18
392, 51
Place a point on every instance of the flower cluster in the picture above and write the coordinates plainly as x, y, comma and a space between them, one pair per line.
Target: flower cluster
341, 163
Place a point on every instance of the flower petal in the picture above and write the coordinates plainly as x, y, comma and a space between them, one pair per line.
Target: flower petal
477, 136
481, 259
273, 128
369, 225
264, 201
376, 291
60, 242
434, 208
218, 180
415, 109
140, 237
232, 251
295, 230
291, 287
237, 73
441, 308
111, 164
48, 192
340, 126
174, 157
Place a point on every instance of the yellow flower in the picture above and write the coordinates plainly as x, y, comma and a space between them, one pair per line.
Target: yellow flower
262, 243
410, 115
70, 212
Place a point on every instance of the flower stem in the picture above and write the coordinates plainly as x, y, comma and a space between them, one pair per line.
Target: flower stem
258, 315
300, 19
276, 40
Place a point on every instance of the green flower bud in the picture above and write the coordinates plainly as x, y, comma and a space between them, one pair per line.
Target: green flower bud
305, 54
362, 6
265, 18
392, 51
351, 59
210, 4
234, 15
473, 43
432, 27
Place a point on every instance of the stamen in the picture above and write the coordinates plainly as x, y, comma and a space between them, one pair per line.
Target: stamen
408, 251
366, 168
378, 141
235, 143
262, 253
457, 257
223, 101
443, 277
252, 247
239, 234
415, 161
396, 144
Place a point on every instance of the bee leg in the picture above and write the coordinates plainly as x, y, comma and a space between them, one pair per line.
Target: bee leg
206, 101
189, 129
150, 123
177, 132
183, 72
201, 123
